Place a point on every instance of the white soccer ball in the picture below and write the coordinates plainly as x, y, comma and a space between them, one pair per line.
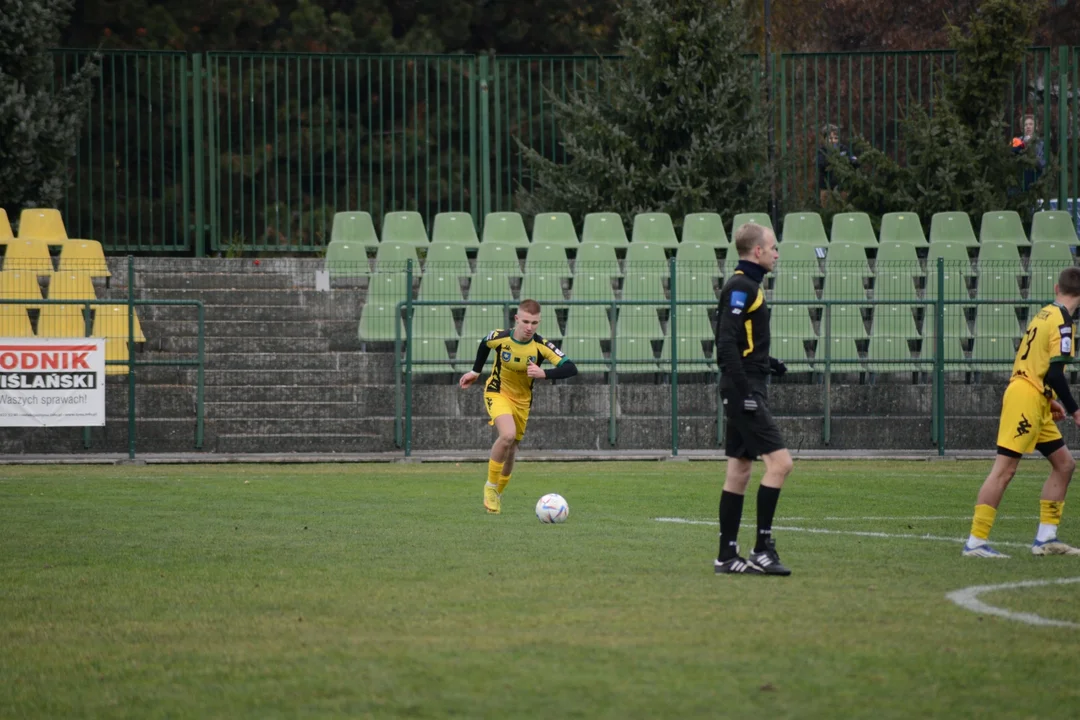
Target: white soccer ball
552, 508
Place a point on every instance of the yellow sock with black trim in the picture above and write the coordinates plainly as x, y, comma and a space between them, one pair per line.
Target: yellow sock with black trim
1049, 519
504, 480
494, 471
983, 522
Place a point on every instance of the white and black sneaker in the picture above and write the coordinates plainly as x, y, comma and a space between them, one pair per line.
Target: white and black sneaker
767, 561
735, 565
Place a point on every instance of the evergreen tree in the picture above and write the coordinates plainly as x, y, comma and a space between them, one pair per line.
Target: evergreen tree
39, 124
677, 125
960, 157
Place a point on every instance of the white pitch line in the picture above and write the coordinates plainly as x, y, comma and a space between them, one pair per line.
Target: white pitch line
968, 598
857, 533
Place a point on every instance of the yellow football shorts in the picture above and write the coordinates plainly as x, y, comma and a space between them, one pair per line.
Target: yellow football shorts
498, 404
1025, 419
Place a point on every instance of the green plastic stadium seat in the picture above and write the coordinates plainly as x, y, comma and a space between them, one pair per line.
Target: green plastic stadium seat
478, 323
592, 287
547, 259
843, 284
454, 227
846, 322
490, 287
434, 321
639, 321
999, 264
554, 228
993, 353
843, 353
695, 252
447, 259
888, 354
1053, 226
429, 355
692, 357
347, 259
404, 228
648, 254
996, 321
606, 228
952, 227
693, 322
1002, 226
439, 287
634, 355
505, 228
845, 257
804, 227
956, 324
377, 320
704, 229
545, 289
741, 219
694, 284
899, 252
791, 321
643, 284
588, 321
597, 258
902, 227
497, 259
395, 257
654, 229
586, 353
388, 286
894, 321
854, 228
1047, 261
794, 282
354, 227
955, 256
895, 272
792, 351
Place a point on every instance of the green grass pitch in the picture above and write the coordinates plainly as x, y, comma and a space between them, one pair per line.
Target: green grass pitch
385, 591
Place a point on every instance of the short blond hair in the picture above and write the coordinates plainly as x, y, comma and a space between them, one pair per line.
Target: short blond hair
747, 236
530, 306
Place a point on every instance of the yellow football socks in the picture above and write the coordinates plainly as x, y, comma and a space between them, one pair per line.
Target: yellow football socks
983, 521
1050, 511
494, 471
504, 480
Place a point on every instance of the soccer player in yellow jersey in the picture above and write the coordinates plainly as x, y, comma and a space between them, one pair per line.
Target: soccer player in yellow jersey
519, 354
1037, 395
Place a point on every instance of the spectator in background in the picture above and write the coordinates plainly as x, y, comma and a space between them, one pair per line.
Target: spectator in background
830, 140
1030, 140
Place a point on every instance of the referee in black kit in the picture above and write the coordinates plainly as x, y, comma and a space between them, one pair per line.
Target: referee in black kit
742, 352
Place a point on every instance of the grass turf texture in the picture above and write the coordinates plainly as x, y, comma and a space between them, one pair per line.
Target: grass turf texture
386, 591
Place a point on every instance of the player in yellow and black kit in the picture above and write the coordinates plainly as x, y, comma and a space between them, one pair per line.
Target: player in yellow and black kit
519, 353
1038, 394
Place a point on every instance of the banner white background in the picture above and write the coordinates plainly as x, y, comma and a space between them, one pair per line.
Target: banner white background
49, 383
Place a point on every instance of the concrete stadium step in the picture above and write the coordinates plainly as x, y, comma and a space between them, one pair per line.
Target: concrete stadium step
289, 395
228, 344
373, 427
283, 312
241, 327
305, 298
302, 443
292, 410
278, 361
152, 435
213, 281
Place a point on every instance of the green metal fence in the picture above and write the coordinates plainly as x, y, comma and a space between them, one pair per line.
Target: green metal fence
231, 152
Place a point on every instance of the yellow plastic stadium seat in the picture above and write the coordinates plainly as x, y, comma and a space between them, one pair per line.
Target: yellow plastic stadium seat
42, 224
29, 255
61, 321
19, 285
71, 286
14, 322
84, 256
5, 227
111, 321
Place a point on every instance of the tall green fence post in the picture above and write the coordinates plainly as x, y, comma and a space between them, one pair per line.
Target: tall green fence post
826, 428
673, 334
1064, 66
408, 356
131, 355
484, 161
613, 384
939, 361
198, 236
200, 385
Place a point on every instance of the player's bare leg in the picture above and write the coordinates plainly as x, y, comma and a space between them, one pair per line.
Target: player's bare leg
500, 450
986, 504
1051, 504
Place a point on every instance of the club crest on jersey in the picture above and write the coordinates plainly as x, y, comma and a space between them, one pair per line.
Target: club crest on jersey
738, 302
1066, 345
506, 355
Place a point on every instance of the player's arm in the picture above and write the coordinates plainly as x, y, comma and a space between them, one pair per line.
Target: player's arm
1055, 378
730, 327
482, 353
564, 366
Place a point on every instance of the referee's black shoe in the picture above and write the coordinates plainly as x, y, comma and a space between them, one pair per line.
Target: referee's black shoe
767, 561
735, 566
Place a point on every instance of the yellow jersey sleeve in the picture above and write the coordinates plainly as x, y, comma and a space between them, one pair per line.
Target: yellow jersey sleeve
494, 338
549, 352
